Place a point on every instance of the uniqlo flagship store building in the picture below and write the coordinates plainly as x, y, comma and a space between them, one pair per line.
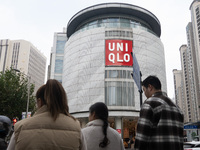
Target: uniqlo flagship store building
98, 63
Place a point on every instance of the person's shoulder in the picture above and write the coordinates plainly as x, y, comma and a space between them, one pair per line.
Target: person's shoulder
113, 131
89, 126
21, 123
95, 125
68, 121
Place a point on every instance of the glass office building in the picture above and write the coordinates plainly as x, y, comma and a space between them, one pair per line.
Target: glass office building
97, 62
55, 68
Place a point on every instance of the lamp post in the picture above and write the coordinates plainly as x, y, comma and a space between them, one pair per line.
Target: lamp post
27, 105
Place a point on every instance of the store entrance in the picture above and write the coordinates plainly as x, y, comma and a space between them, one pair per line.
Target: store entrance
129, 131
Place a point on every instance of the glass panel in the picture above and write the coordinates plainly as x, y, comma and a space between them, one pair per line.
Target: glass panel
62, 38
129, 75
60, 47
124, 74
106, 93
124, 94
113, 73
92, 24
130, 94
59, 64
113, 22
119, 73
125, 23
100, 23
104, 22
111, 95
119, 93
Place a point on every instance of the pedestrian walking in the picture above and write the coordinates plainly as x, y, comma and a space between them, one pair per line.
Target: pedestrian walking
98, 134
160, 126
51, 127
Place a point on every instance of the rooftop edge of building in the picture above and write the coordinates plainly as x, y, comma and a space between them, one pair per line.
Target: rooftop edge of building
113, 8
193, 3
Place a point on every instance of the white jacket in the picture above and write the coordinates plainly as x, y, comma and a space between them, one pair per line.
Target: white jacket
93, 134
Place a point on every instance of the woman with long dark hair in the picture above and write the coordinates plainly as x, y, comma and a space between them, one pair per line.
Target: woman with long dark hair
98, 134
51, 127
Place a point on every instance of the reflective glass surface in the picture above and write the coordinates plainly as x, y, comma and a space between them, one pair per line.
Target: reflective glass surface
59, 64
114, 22
119, 93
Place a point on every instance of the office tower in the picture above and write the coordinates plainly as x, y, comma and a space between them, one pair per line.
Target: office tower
25, 57
55, 68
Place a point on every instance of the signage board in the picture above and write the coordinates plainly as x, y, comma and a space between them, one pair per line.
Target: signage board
118, 52
190, 127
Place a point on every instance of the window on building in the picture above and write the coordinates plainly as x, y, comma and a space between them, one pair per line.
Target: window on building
60, 47
59, 64
119, 93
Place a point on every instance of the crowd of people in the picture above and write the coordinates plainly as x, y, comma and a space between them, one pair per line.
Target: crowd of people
160, 125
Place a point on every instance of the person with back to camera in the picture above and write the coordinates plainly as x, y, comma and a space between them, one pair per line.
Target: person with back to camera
5, 126
98, 135
160, 126
51, 127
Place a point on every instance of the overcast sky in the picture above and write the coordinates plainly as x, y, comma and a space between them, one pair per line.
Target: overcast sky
37, 20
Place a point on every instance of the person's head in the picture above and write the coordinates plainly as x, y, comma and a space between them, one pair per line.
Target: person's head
5, 124
151, 85
54, 96
40, 96
100, 111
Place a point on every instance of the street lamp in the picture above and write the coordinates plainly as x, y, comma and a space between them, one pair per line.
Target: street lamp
27, 105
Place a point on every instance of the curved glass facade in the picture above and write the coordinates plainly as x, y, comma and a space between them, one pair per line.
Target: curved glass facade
114, 22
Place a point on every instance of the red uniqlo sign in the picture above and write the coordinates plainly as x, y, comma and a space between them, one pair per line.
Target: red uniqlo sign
118, 53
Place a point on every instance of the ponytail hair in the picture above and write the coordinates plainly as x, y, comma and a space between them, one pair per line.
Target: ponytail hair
101, 112
56, 99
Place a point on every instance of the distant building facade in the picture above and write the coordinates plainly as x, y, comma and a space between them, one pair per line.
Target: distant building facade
25, 57
55, 69
190, 63
193, 37
180, 91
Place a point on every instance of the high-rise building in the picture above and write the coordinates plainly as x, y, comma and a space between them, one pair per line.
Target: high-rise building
190, 63
180, 91
195, 20
23, 56
189, 99
193, 36
55, 68
95, 62
184, 83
